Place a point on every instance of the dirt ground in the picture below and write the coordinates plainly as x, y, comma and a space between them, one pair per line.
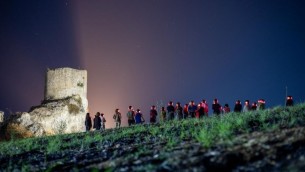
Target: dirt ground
280, 150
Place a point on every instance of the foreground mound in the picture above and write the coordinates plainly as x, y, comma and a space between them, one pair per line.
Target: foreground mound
270, 140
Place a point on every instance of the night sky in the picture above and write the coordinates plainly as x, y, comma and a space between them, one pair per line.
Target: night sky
140, 52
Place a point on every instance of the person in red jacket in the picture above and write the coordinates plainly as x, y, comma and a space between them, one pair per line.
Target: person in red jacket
254, 106
185, 111
226, 109
205, 106
199, 113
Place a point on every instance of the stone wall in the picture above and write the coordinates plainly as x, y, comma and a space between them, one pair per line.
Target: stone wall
65, 82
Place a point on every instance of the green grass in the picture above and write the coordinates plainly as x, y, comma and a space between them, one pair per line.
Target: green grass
207, 131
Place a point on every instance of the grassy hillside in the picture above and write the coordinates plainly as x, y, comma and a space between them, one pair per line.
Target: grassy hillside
241, 142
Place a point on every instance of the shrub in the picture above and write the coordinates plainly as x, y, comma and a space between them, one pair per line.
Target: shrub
54, 144
206, 137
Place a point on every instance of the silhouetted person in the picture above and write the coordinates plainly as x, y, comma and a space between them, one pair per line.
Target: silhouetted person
117, 118
254, 106
226, 109
153, 115
88, 122
289, 101
139, 117
246, 106
103, 120
199, 113
261, 104
205, 106
192, 109
163, 115
97, 121
185, 111
238, 106
170, 111
178, 111
130, 116
216, 107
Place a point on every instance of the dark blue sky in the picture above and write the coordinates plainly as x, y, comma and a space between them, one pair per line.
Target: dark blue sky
141, 52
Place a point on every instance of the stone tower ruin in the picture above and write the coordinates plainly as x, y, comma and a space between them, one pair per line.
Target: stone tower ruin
63, 109
65, 82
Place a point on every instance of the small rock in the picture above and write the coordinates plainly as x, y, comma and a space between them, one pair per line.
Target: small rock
250, 143
212, 153
266, 146
194, 160
165, 166
124, 169
137, 162
272, 162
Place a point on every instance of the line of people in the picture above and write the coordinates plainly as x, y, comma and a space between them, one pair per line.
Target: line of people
98, 122
178, 112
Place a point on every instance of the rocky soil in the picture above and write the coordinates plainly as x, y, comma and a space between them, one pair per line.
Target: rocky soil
279, 150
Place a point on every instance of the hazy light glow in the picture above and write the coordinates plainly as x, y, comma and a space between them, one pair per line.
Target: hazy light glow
142, 52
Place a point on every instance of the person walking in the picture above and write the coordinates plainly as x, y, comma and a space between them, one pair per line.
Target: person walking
153, 115
139, 117
238, 106
216, 107
178, 111
185, 111
97, 121
246, 106
261, 104
163, 114
130, 116
226, 109
199, 113
205, 106
192, 109
117, 118
103, 121
254, 106
170, 111
289, 101
88, 122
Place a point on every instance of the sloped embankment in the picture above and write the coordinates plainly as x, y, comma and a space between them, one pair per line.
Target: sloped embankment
269, 140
